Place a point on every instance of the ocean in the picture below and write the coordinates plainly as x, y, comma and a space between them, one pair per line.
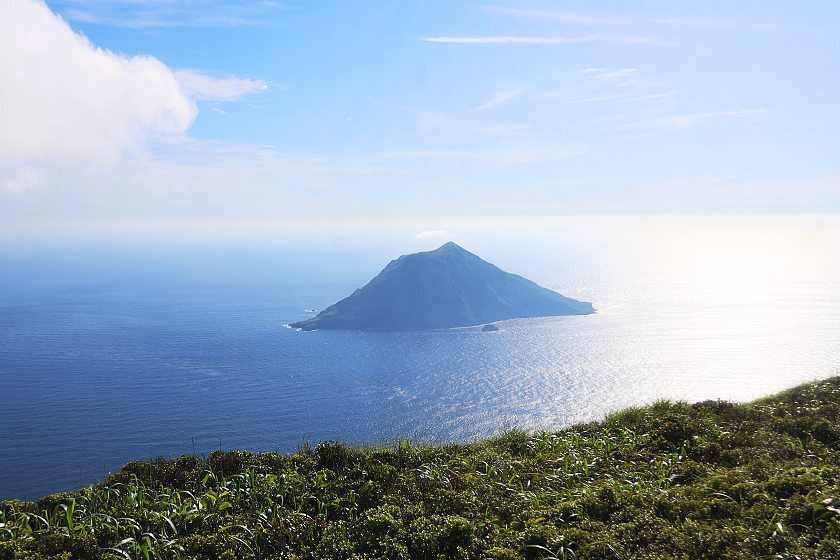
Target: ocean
113, 350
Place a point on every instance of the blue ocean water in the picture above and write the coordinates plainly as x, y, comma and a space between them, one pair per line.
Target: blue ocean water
113, 353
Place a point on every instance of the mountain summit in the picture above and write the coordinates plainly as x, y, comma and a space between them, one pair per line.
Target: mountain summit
447, 287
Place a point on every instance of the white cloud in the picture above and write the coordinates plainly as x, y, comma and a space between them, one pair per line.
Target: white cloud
509, 40
544, 40
614, 86
656, 105
504, 130
202, 87
609, 75
18, 180
499, 98
62, 100
156, 14
499, 157
687, 120
190, 180
602, 20
564, 17
624, 77
432, 234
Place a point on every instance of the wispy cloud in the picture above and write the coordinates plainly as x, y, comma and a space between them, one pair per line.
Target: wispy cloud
618, 19
564, 17
604, 85
153, 14
203, 87
643, 106
705, 22
542, 40
654, 121
498, 98
657, 104
509, 40
629, 96
18, 180
432, 234
611, 75
687, 120
623, 77
504, 130
500, 157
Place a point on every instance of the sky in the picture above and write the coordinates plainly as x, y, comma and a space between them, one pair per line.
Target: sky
191, 114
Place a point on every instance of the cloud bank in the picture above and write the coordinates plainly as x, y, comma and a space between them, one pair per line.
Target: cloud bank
206, 88
63, 100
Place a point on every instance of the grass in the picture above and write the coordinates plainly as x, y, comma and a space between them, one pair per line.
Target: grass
671, 480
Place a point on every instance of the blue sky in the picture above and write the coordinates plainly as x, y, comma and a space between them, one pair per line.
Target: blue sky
292, 110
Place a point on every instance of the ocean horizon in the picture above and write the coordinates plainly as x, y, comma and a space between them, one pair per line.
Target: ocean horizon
112, 352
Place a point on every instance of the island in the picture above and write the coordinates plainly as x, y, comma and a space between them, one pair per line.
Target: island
445, 288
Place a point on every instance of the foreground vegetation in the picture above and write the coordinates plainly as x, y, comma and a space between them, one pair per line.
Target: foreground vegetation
672, 480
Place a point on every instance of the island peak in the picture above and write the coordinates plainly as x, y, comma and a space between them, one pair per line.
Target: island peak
449, 246
443, 288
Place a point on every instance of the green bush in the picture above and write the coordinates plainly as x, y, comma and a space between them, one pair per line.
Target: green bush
672, 480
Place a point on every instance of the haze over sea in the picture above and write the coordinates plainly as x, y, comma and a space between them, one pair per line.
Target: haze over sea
116, 350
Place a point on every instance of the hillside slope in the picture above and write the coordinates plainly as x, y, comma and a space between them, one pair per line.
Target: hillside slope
672, 480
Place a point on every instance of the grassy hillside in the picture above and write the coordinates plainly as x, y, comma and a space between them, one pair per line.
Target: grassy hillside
672, 480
